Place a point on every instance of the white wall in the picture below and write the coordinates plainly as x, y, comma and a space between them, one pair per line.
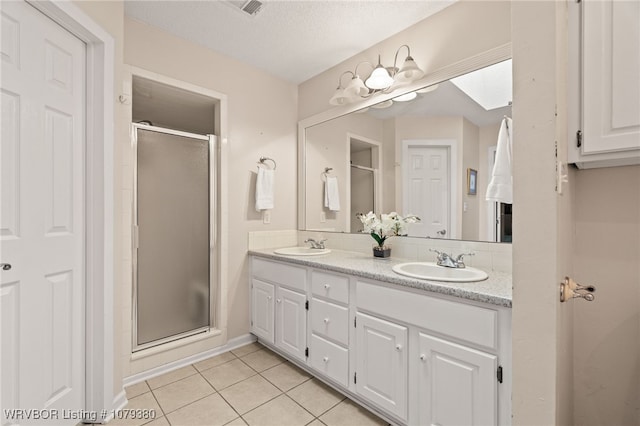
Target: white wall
606, 342
262, 120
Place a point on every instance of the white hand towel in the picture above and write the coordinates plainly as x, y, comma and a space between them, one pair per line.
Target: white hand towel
331, 194
500, 187
264, 189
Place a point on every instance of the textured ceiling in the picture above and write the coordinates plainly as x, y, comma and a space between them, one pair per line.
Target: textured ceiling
295, 40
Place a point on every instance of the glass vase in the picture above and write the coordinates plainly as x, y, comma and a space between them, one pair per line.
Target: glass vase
381, 251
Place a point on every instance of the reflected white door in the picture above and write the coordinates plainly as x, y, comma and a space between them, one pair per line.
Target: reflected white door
42, 215
427, 190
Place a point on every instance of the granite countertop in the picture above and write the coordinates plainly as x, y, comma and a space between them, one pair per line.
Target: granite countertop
495, 290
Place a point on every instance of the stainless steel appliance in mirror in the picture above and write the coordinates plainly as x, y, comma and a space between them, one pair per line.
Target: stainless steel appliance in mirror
415, 157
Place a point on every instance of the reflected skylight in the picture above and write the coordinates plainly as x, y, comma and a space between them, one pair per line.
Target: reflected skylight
489, 87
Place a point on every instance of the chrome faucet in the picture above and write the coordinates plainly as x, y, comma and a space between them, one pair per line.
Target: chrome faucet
448, 261
316, 244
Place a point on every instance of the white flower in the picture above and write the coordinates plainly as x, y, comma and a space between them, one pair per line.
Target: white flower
388, 225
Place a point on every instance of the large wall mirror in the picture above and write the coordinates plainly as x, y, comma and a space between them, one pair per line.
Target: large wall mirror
431, 156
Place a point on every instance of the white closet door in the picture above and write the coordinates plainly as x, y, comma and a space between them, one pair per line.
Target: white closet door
611, 70
42, 227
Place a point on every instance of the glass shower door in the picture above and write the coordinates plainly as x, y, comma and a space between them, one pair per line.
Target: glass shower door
172, 267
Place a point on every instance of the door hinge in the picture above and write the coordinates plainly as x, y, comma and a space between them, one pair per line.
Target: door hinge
306, 305
499, 374
355, 377
355, 322
306, 352
579, 138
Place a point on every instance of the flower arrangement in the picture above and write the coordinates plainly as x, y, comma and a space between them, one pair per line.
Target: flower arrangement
389, 225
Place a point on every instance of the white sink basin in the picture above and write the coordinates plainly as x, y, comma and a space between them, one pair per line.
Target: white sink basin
301, 251
431, 271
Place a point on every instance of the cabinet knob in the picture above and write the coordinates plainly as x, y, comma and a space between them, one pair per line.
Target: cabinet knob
5, 266
327, 286
423, 357
326, 320
278, 300
269, 297
325, 359
398, 348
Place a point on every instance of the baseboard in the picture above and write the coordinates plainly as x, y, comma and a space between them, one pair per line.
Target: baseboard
231, 344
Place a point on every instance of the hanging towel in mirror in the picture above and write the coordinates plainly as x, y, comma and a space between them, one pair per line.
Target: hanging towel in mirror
500, 187
264, 189
331, 194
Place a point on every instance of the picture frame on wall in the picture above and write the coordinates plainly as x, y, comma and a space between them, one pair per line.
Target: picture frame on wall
472, 181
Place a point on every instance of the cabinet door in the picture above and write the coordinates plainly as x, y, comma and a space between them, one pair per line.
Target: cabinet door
291, 322
610, 84
381, 363
262, 320
457, 384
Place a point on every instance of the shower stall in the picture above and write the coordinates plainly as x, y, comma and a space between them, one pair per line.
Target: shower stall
173, 234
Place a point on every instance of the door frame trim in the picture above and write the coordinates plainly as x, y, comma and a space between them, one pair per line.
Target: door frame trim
99, 202
455, 193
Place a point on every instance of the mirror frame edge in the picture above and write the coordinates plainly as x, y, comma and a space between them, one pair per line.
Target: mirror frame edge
480, 60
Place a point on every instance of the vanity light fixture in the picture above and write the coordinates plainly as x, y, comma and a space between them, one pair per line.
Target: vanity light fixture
381, 79
406, 97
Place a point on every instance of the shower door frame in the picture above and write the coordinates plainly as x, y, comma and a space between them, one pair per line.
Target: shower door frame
213, 264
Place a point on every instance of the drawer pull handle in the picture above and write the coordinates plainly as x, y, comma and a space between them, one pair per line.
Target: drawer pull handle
325, 359
327, 286
423, 357
398, 348
326, 320
279, 300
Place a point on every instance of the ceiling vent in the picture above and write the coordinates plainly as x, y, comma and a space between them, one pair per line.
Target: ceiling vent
250, 7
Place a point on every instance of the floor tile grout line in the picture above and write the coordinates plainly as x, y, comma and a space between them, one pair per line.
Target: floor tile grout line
214, 366
182, 406
168, 383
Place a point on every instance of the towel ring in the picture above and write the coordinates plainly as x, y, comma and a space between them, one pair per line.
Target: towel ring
263, 159
326, 172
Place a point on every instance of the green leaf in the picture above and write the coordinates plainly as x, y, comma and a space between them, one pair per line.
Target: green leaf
378, 238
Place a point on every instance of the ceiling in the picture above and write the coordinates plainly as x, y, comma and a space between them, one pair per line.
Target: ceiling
294, 40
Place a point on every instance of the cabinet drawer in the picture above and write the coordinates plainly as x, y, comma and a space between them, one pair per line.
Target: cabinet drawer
331, 286
290, 276
471, 323
330, 320
330, 359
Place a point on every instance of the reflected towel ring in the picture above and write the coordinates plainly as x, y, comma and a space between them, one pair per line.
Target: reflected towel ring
327, 170
263, 159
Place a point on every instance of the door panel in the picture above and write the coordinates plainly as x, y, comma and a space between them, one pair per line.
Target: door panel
43, 206
262, 319
427, 193
381, 363
457, 384
173, 253
291, 320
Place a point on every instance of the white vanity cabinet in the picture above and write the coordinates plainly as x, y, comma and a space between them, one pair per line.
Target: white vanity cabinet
606, 49
279, 301
413, 356
445, 352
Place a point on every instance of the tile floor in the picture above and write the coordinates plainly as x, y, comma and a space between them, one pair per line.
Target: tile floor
249, 385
